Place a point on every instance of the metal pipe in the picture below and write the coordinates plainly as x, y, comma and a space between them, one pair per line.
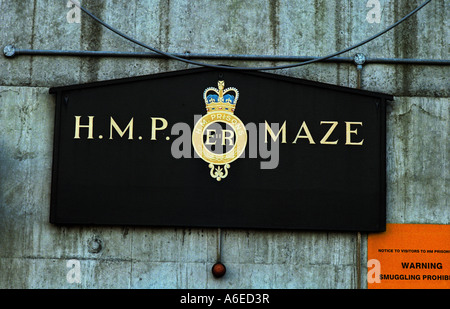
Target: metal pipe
286, 66
219, 245
359, 59
358, 260
10, 51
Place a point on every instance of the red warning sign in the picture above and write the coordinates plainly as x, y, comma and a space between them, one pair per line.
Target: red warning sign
409, 256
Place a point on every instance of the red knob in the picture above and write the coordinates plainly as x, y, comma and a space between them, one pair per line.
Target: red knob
218, 270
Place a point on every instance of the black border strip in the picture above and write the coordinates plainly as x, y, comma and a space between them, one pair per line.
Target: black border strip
200, 70
55, 163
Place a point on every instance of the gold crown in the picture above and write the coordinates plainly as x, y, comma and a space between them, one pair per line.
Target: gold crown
220, 100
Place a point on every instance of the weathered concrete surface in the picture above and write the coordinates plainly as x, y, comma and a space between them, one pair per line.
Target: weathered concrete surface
267, 27
418, 160
34, 254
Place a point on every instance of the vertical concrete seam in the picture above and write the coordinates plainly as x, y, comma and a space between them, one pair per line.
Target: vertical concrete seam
32, 42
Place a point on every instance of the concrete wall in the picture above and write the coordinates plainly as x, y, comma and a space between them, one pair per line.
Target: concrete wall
35, 254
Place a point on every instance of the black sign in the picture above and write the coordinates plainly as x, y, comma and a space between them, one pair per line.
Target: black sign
208, 148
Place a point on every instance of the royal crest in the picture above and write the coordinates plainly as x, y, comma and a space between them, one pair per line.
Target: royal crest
220, 99
219, 137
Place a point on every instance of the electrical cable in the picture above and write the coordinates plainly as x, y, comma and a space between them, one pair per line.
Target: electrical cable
169, 55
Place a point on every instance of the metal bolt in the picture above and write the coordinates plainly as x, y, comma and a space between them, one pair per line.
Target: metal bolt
9, 51
95, 246
359, 60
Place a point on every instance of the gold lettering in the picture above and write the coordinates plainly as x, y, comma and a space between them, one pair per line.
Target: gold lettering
90, 127
325, 138
155, 128
275, 137
121, 133
209, 135
308, 135
348, 139
229, 138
